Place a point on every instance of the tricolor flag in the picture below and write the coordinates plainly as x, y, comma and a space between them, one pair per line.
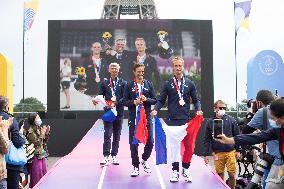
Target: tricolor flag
140, 131
170, 141
109, 115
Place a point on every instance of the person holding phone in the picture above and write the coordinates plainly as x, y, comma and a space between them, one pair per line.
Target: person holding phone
275, 179
13, 171
224, 155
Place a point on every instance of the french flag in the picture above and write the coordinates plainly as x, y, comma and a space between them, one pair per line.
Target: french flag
174, 142
109, 115
140, 131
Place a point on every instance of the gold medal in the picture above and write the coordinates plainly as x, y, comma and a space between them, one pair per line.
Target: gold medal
280, 172
181, 102
113, 98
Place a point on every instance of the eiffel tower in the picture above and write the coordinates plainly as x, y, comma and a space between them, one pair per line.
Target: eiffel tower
113, 9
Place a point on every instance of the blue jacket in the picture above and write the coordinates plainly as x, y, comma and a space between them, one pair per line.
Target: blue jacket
263, 136
273, 145
230, 129
16, 138
105, 90
130, 95
177, 114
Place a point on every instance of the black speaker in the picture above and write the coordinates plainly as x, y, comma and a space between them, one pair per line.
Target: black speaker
54, 115
70, 115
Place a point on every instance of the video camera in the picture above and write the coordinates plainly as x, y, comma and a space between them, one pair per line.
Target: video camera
263, 162
252, 105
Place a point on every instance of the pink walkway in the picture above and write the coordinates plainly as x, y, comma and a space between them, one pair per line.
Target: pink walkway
81, 170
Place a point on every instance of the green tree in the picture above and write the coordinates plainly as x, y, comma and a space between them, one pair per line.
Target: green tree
196, 78
30, 104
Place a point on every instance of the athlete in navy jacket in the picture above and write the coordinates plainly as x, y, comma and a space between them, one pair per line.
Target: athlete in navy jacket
139, 92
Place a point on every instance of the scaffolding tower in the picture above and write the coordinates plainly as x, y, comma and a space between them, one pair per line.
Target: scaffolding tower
114, 8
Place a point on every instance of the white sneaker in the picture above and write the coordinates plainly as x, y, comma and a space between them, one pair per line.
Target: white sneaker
115, 161
185, 173
135, 172
175, 176
146, 167
105, 161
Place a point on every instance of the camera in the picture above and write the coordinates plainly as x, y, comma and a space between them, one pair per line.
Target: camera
263, 162
252, 105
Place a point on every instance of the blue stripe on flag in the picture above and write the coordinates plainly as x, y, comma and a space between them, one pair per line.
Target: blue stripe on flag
160, 143
135, 141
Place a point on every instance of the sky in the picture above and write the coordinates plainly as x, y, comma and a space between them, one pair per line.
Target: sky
221, 13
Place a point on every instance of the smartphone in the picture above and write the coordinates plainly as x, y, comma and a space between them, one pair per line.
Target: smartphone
217, 128
276, 92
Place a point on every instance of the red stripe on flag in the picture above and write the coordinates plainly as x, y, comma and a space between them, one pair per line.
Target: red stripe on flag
141, 130
188, 143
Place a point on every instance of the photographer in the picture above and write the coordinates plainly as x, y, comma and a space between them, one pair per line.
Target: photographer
275, 179
224, 154
261, 121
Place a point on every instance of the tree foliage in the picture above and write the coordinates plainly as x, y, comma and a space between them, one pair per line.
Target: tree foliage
30, 104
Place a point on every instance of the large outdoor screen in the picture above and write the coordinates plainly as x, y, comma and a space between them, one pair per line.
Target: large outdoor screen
85, 48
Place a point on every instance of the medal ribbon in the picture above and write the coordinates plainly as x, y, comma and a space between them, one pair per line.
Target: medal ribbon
113, 86
96, 63
180, 89
138, 93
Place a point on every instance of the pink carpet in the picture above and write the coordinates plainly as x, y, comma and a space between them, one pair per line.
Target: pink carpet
81, 170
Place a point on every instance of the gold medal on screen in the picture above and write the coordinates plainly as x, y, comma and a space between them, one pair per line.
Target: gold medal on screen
181, 102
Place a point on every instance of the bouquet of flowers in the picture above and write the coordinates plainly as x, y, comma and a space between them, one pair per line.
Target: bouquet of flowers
106, 37
164, 49
80, 84
80, 71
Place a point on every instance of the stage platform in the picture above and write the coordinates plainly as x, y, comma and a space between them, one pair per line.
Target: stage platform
81, 170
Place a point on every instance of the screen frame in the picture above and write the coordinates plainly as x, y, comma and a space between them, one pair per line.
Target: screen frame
53, 68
